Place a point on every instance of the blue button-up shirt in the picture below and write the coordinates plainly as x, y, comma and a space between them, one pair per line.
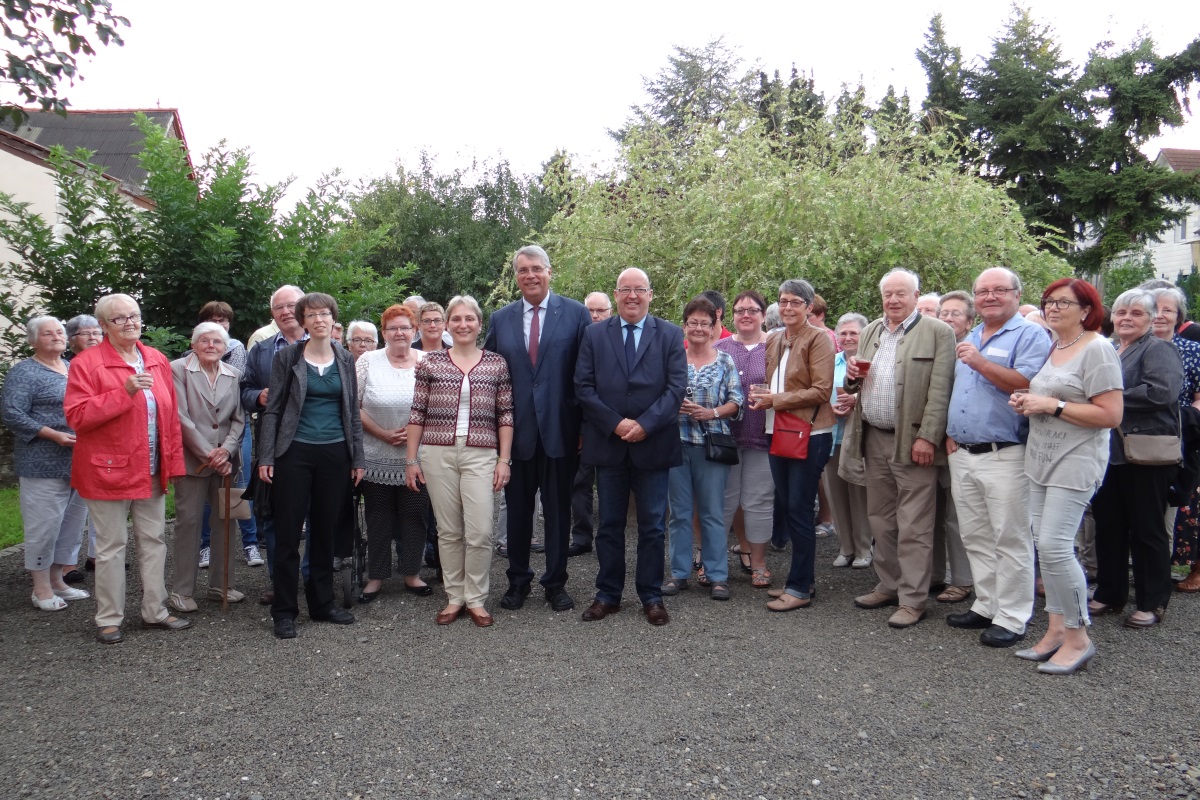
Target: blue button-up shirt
979, 412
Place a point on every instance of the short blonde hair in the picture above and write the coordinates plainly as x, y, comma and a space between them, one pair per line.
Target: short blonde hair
465, 300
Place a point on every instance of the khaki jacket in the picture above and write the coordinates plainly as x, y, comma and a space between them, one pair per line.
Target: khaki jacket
808, 384
924, 378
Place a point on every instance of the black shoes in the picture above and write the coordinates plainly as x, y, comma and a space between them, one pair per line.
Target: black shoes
285, 628
578, 550
419, 591
969, 620
995, 636
338, 616
537, 547
559, 600
514, 598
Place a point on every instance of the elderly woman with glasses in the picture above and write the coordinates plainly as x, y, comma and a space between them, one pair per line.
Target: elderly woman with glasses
845, 476
121, 402
51, 511
311, 442
799, 381
1130, 503
362, 338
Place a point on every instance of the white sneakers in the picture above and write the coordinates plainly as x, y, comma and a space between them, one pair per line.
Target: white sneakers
204, 553
861, 563
841, 561
254, 557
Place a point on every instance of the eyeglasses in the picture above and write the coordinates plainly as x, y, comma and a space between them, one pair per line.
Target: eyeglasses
279, 309
1059, 304
953, 314
791, 303
1164, 311
437, 321
696, 326
324, 313
538, 270
747, 311
362, 341
398, 329
92, 334
640, 291
134, 318
994, 292
599, 310
211, 342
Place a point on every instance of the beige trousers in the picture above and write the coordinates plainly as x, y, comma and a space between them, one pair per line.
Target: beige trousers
112, 535
459, 479
901, 504
849, 501
191, 493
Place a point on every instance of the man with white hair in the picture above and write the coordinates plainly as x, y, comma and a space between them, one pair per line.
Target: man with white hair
897, 426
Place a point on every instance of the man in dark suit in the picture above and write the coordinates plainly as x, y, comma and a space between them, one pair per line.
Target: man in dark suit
630, 379
539, 337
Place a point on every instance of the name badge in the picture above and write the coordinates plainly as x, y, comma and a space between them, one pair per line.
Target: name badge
997, 351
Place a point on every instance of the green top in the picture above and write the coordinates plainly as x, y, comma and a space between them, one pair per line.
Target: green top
321, 417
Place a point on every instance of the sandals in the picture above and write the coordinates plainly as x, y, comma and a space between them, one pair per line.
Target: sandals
674, 586
760, 578
697, 564
954, 594
742, 557
702, 580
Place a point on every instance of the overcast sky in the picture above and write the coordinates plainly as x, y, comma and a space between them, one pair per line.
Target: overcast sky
309, 87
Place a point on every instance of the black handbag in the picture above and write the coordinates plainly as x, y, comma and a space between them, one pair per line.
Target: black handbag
720, 448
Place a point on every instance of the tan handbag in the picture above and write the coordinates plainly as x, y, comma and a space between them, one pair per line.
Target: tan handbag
233, 506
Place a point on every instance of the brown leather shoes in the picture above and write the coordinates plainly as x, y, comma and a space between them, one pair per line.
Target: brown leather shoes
168, 624
1189, 585
480, 617
876, 600
656, 613
1156, 616
599, 610
449, 614
267, 597
906, 617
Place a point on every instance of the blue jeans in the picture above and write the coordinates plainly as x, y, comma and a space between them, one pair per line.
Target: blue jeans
700, 485
649, 487
240, 481
796, 482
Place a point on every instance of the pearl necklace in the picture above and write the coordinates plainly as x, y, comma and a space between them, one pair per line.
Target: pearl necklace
1061, 346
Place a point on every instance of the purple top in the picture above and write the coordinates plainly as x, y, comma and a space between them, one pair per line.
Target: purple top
750, 430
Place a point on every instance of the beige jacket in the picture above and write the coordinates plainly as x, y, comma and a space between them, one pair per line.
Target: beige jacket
808, 384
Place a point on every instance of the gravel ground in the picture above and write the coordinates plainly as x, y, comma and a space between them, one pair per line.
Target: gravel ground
726, 701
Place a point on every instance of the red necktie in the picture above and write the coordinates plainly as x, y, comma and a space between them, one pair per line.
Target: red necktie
533, 337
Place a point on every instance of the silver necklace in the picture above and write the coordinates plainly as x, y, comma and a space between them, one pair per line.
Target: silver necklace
1061, 346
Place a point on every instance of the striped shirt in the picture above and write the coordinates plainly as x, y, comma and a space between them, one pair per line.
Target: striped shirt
879, 388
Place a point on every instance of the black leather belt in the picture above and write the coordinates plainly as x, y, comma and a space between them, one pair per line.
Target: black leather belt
986, 447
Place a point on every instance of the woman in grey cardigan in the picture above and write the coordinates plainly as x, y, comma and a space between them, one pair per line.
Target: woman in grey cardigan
53, 512
1130, 504
310, 443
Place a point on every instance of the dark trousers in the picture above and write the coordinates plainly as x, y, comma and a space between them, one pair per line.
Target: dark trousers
581, 505
796, 482
394, 513
309, 478
1129, 509
554, 477
650, 489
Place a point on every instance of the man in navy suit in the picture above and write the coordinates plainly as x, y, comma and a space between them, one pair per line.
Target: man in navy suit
630, 379
539, 337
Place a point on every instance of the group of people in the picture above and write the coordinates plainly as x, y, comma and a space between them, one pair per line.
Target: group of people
942, 452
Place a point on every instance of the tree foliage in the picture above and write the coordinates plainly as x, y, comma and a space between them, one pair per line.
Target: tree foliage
734, 212
42, 44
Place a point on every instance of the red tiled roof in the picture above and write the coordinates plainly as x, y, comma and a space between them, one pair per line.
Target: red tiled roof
1180, 160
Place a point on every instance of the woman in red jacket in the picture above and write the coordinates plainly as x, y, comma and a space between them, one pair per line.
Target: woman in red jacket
121, 402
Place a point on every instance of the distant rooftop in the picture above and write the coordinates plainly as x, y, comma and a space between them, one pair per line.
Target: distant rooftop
109, 134
1179, 160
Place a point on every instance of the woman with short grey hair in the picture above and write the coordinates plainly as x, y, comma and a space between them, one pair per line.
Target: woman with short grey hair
52, 512
845, 477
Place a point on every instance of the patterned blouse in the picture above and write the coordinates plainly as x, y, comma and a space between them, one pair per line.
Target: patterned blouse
749, 429
33, 399
1189, 354
386, 393
436, 395
710, 386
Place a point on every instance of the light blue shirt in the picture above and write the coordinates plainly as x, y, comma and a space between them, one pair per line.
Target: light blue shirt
839, 379
637, 331
979, 412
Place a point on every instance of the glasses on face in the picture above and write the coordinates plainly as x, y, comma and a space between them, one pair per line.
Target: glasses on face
999, 293
791, 303
697, 325
92, 334
1165, 311
435, 321
640, 291
211, 342
324, 313
134, 318
538, 270
747, 312
362, 341
398, 329
282, 307
953, 314
1059, 304
598, 310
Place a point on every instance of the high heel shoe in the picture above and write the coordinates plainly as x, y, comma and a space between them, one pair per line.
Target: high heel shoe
55, 603
1033, 655
1080, 663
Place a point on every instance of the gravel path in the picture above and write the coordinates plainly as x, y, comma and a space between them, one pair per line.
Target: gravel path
726, 701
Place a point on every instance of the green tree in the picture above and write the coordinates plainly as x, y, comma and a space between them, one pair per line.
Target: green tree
945, 94
43, 43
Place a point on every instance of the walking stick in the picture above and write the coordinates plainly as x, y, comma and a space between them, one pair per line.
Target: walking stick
225, 560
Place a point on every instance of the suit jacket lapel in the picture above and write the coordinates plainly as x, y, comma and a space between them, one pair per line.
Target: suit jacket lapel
616, 337
550, 320
518, 330
649, 328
